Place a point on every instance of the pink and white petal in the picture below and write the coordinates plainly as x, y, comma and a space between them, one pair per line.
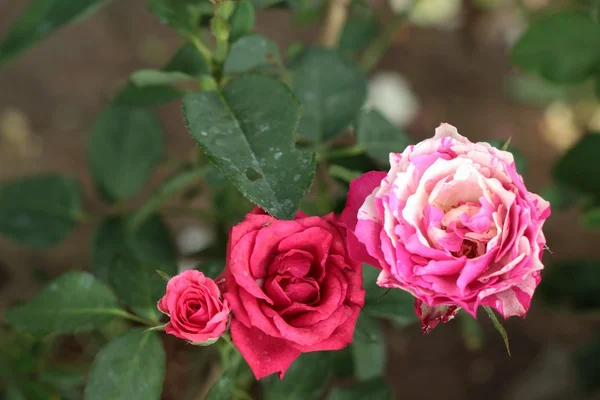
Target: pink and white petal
513, 301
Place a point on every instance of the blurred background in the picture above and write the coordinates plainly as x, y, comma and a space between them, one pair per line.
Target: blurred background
450, 63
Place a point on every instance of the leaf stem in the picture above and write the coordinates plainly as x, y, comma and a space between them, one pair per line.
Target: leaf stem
202, 48
339, 153
133, 317
175, 184
380, 44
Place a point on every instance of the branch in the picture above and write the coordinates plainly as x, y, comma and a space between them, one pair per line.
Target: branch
334, 22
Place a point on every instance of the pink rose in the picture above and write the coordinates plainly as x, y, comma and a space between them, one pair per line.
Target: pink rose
292, 289
194, 304
451, 223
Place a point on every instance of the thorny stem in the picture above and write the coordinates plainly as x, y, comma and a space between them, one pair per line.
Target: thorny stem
334, 22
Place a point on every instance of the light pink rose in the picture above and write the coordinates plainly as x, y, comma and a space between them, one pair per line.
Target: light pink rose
198, 314
451, 223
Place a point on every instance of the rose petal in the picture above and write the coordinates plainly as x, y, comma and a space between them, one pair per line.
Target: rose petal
264, 354
360, 188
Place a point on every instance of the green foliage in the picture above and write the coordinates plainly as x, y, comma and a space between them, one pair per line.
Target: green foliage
306, 378
133, 95
150, 244
186, 62
369, 351
150, 77
242, 21
222, 388
252, 53
360, 28
41, 18
26, 390
586, 360
131, 367
138, 285
125, 146
574, 284
379, 137
563, 48
169, 188
560, 196
578, 164
74, 302
392, 304
375, 389
331, 88
40, 211
247, 130
183, 15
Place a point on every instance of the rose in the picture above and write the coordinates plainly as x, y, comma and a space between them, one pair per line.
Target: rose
194, 304
292, 289
453, 224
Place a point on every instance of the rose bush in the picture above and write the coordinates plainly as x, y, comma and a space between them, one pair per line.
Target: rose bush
194, 304
292, 289
453, 224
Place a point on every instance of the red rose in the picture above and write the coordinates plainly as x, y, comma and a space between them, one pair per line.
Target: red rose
194, 304
292, 289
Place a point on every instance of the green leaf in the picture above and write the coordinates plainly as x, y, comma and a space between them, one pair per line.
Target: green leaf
131, 367
331, 88
369, 350
41, 18
125, 146
40, 211
578, 164
586, 360
375, 389
563, 48
68, 381
379, 137
242, 21
498, 327
306, 378
343, 365
520, 161
183, 15
560, 196
358, 32
247, 131
265, 3
591, 218
138, 285
187, 64
151, 244
150, 77
222, 389
393, 304
133, 95
27, 390
74, 302
252, 53
574, 284
531, 89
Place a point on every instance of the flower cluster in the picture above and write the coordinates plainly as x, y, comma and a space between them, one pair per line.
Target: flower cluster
452, 223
